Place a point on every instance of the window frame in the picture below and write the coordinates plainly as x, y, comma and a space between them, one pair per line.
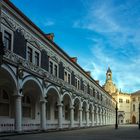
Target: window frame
77, 83
53, 67
34, 50
8, 30
68, 75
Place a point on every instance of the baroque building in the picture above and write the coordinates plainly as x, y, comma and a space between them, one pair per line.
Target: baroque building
128, 104
41, 86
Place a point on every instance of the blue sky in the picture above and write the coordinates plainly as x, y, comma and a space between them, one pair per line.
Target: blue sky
100, 33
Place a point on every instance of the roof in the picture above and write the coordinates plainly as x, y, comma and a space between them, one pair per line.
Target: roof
135, 93
109, 70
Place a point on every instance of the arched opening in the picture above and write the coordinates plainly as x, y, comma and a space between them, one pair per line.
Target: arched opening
76, 111
133, 119
7, 108
31, 113
95, 115
53, 101
90, 114
66, 109
120, 119
84, 113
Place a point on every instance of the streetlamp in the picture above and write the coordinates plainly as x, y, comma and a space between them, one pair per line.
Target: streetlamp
139, 115
116, 124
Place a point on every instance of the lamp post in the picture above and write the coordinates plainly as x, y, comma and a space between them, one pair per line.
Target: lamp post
139, 115
116, 124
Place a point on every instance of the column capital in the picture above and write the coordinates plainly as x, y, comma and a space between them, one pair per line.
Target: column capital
59, 104
43, 101
80, 109
71, 107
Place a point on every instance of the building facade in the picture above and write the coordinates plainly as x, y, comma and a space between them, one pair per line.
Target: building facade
128, 103
41, 86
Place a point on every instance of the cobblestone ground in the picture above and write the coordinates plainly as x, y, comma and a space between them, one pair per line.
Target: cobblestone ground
124, 132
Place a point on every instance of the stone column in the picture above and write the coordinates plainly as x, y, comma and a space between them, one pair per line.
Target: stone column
18, 113
60, 116
92, 118
43, 114
80, 112
71, 116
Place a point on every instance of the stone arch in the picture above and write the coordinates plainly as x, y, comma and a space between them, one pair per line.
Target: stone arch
77, 106
53, 101
70, 97
10, 72
90, 111
67, 104
52, 87
85, 108
32, 92
35, 80
8, 88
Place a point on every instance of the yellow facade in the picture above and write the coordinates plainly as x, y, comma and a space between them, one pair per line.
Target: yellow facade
128, 104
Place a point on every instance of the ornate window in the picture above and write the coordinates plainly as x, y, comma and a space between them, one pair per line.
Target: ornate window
33, 55
4, 103
53, 68
26, 106
77, 83
67, 76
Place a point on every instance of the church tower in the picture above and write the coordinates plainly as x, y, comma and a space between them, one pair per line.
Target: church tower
109, 75
109, 86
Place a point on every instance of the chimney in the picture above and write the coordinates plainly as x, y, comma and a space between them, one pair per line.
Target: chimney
73, 59
50, 36
88, 73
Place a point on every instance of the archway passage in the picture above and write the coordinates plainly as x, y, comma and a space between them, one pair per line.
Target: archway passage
7, 101
31, 112
120, 119
133, 119
52, 110
76, 112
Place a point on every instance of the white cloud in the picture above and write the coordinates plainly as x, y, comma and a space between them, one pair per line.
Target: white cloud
118, 43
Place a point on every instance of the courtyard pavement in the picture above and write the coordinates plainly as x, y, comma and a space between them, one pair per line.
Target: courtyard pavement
124, 132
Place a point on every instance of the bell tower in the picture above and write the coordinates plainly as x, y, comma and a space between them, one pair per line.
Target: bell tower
109, 75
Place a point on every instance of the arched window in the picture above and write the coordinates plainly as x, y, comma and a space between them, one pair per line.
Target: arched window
26, 106
4, 103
